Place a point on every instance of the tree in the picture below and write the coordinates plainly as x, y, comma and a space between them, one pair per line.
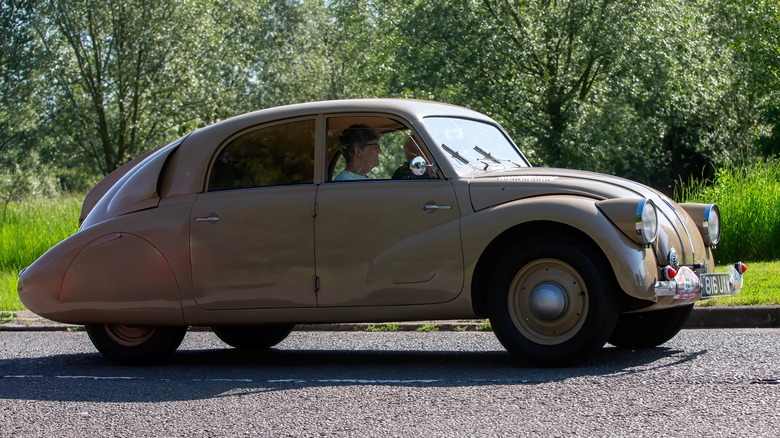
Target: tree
21, 173
122, 74
749, 30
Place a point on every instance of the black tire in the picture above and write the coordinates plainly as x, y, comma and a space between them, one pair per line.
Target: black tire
649, 329
135, 345
551, 301
253, 337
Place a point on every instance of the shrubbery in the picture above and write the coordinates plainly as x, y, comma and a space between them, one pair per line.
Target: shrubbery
749, 202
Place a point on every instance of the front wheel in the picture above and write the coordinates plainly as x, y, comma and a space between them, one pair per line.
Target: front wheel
551, 303
649, 329
253, 337
135, 345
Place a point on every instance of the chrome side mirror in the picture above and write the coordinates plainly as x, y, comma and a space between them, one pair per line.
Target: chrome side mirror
418, 166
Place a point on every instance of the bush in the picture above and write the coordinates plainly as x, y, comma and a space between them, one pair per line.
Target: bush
749, 202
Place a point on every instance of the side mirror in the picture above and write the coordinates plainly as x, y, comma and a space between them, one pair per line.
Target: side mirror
418, 166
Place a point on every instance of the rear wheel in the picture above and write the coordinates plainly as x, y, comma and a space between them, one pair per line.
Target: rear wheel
136, 345
649, 329
551, 303
253, 337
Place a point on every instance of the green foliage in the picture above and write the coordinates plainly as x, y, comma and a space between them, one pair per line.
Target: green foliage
31, 227
428, 327
485, 326
653, 91
9, 298
389, 327
18, 184
5, 316
118, 72
27, 230
749, 202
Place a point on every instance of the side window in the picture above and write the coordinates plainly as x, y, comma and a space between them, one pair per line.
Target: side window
276, 155
379, 148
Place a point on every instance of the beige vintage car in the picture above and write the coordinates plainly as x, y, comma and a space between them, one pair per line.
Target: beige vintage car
260, 222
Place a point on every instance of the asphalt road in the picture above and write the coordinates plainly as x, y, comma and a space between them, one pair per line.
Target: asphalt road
702, 383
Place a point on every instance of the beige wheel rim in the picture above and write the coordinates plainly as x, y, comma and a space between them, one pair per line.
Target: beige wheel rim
129, 336
548, 301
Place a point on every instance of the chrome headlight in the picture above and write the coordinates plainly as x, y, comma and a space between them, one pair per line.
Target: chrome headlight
646, 222
707, 219
637, 218
711, 225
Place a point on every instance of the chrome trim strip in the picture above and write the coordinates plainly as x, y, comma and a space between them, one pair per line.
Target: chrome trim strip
685, 228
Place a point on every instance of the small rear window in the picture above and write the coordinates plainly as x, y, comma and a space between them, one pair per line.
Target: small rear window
281, 154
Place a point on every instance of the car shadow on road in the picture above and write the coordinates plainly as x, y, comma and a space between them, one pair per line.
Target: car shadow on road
215, 373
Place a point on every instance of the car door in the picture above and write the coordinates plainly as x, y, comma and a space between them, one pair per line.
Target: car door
252, 230
383, 241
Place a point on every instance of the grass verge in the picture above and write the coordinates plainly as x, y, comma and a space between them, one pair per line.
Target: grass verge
749, 203
761, 287
27, 230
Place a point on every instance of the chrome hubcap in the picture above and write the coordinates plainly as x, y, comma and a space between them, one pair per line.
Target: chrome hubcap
548, 301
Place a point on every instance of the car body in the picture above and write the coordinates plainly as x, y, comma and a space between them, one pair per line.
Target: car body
240, 226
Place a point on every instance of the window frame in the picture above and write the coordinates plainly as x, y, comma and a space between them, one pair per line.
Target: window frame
330, 155
230, 139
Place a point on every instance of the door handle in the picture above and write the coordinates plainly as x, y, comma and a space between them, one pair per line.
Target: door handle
209, 219
433, 207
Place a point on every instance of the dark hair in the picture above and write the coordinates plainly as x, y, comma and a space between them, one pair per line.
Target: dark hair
356, 135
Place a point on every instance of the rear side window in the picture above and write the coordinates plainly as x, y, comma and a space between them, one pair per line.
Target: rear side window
282, 154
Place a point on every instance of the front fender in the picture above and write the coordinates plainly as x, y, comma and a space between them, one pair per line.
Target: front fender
635, 267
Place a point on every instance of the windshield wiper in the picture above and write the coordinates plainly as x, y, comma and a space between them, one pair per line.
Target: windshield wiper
490, 157
487, 155
455, 154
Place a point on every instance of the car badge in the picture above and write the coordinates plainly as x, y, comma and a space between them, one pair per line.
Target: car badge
674, 259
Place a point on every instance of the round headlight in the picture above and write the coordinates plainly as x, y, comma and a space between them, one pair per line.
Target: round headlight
711, 225
646, 222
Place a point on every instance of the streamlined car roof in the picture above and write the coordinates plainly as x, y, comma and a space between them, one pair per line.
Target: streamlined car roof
186, 171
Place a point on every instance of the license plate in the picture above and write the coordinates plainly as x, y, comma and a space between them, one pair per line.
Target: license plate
713, 285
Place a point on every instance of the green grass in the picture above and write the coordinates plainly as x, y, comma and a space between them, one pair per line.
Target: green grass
6, 316
428, 327
749, 203
27, 230
389, 327
9, 299
760, 287
484, 325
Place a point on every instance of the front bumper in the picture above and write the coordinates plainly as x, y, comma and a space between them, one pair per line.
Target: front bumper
689, 286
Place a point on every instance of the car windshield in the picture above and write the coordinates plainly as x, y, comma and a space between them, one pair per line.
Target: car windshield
472, 146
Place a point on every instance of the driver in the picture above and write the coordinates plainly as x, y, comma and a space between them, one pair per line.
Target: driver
360, 147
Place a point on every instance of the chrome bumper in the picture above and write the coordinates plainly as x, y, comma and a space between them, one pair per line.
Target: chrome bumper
689, 286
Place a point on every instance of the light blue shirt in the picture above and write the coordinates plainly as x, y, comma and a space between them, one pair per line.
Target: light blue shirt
346, 175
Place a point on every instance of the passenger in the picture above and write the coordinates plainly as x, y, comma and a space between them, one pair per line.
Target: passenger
411, 150
360, 147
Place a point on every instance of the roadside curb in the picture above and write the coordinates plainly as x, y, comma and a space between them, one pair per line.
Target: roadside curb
735, 317
701, 317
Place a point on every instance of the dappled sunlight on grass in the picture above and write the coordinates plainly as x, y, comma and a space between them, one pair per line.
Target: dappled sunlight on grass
27, 230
